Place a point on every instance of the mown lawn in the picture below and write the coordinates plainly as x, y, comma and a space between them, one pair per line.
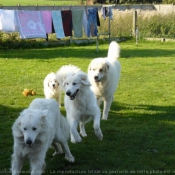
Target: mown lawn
139, 135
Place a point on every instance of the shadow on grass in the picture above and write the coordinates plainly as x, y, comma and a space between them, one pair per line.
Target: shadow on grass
82, 52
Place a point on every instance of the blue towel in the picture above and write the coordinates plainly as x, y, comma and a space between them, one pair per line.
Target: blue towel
58, 24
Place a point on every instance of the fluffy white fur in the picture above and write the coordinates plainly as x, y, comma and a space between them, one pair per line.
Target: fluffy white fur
35, 130
52, 88
80, 102
104, 74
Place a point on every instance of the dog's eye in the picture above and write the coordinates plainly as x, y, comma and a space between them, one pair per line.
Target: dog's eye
101, 70
74, 84
34, 128
25, 129
93, 69
67, 83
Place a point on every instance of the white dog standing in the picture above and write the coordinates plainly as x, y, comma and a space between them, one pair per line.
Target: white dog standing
52, 89
34, 131
104, 74
80, 102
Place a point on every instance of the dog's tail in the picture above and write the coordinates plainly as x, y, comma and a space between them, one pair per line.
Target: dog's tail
114, 50
64, 71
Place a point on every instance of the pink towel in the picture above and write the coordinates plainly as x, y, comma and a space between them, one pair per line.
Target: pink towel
47, 20
30, 24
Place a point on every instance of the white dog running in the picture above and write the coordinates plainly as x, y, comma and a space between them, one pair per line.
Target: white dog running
80, 103
52, 89
104, 74
34, 131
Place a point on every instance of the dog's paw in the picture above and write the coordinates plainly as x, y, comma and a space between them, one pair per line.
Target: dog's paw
104, 117
83, 134
99, 134
70, 158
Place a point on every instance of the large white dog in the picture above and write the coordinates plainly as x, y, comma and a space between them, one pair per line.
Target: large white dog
34, 131
104, 74
80, 102
52, 88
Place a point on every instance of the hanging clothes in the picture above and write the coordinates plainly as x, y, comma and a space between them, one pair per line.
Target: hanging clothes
8, 21
107, 12
58, 24
47, 20
92, 22
67, 22
77, 19
85, 22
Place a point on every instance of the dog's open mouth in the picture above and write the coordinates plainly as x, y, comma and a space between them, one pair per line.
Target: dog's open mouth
74, 95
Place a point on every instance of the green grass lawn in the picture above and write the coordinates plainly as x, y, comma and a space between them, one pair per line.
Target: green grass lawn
139, 135
39, 2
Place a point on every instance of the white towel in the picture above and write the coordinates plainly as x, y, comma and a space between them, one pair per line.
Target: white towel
8, 21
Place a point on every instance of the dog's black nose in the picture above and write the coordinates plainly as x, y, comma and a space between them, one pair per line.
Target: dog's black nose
53, 85
96, 77
28, 141
68, 93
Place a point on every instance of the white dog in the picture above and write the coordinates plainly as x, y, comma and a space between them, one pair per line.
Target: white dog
52, 88
80, 102
34, 131
104, 74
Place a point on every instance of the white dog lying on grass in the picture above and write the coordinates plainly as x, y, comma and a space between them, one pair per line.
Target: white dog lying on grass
52, 88
34, 131
80, 102
104, 74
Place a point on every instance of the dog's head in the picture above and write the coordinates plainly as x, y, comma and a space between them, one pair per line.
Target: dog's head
30, 123
74, 82
98, 69
51, 81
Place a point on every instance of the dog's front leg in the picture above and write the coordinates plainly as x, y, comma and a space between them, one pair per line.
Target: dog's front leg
106, 108
17, 163
37, 162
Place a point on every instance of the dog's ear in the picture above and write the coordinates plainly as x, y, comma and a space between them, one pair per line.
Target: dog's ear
106, 66
84, 80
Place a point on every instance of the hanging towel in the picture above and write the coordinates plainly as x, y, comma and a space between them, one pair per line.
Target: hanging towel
58, 25
77, 18
67, 22
30, 24
8, 21
85, 22
47, 20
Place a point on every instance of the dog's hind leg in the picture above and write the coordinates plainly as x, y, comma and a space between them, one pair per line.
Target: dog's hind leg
97, 129
68, 155
75, 137
58, 148
82, 130
17, 163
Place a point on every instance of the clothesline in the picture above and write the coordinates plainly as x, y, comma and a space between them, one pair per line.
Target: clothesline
38, 24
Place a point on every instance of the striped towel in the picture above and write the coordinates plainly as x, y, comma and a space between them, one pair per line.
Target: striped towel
77, 19
47, 20
67, 22
58, 25
8, 21
30, 24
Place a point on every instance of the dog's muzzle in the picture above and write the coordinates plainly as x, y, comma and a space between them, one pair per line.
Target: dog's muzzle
68, 93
